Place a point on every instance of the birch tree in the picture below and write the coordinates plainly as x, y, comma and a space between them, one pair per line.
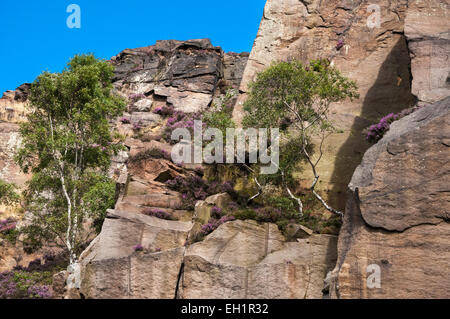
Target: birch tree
297, 98
66, 145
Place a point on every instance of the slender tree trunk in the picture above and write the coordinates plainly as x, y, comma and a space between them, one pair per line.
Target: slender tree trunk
316, 177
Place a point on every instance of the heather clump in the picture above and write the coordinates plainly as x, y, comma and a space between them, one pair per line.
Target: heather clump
8, 229
217, 212
25, 285
164, 110
149, 154
273, 209
179, 120
125, 120
67, 145
136, 97
7, 225
194, 188
376, 131
158, 213
213, 224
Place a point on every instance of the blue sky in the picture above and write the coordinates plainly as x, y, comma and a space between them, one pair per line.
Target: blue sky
34, 36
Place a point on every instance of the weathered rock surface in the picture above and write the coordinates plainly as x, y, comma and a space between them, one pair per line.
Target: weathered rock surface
183, 74
12, 112
427, 28
244, 259
234, 66
230, 263
113, 269
397, 214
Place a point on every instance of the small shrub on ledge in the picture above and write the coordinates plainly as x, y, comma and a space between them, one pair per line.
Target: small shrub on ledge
376, 132
194, 188
125, 120
8, 230
149, 154
164, 110
213, 224
136, 97
158, 213
216, 212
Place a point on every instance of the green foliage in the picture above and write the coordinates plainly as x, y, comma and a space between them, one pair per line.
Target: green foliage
67, 144
8, 195
25, 279
221, 114
70, 113
291, 158
98, 196
296, 98
11, 236
291, 86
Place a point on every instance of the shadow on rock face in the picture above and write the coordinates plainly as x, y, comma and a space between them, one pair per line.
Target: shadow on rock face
391, 93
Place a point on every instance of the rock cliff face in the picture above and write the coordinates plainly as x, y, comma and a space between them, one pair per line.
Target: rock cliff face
397, 214
397, 208
230, 261
243, 259
183, 74
12, 112
399, 61
376, 56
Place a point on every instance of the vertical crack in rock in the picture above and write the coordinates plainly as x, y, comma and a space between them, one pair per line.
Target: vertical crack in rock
180, 279
266, 240
129, 290
246, 283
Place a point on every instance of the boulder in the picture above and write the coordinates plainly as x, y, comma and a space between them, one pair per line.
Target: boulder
396, 220
59, 284
298, 231
112, 267
244, 259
